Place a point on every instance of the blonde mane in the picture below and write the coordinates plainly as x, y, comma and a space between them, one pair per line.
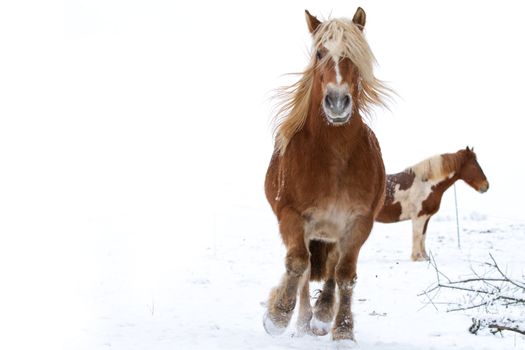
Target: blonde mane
438, 167
342, 38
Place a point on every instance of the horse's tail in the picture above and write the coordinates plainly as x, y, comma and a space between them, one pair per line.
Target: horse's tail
319, 252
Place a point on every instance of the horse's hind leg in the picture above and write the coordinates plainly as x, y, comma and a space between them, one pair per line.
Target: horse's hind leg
345, 275
305, 308
419, 228
282, 298
325, 305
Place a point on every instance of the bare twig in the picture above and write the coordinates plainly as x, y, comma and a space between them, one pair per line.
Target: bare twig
434, 265
498, 328
468, 307
494, 293
479, 279
480, 291
431, 301
484, 279
519, 285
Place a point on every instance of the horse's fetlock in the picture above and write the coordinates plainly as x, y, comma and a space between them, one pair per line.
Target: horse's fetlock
347, 284
286, 308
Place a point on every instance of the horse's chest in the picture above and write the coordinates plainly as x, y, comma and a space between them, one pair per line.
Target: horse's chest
329, 222
330, 179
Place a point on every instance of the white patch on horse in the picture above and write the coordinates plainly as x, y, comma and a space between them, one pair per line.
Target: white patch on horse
418, 239
338, 77
419, 224
412, 198
329, 223
430, 168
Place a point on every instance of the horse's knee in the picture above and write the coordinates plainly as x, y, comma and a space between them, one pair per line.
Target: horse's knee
297, 262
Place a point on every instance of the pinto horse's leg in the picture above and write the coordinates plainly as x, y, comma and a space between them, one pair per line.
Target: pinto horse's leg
346, 276
324, 306
283, 297
419, 227
305, 308
424, 234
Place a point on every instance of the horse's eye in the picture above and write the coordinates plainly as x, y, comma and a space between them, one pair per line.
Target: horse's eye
319, 55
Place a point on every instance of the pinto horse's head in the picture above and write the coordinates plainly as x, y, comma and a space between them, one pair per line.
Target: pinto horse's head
471, 171
343, 65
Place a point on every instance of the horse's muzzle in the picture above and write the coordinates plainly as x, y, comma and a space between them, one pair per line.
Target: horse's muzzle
484, 188
337, 104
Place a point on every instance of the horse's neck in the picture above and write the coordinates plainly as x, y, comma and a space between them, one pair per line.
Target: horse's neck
448, 181
454, 164
339, 139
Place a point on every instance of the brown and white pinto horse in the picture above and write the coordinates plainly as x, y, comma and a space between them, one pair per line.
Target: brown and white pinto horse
326, 179
415, 193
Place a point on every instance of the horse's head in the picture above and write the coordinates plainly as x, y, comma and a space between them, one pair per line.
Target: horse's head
338, 82
342, 61
471, 172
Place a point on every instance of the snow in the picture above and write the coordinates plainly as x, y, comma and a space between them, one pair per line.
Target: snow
134, 139
216, 300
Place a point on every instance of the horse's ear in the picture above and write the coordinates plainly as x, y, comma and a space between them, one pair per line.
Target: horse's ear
468, 148
312, 21
359, 18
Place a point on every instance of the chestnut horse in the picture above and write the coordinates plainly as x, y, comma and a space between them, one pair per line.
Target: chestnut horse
415, 193
326, 179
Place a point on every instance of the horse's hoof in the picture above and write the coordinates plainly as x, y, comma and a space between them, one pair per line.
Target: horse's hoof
343, 344
420, 257
302, 329
301, 332
319, 327
343, 334
270, 327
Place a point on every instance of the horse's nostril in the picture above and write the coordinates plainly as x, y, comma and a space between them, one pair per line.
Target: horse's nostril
346, 101
328, 101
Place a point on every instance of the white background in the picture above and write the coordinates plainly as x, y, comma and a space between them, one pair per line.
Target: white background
140, 123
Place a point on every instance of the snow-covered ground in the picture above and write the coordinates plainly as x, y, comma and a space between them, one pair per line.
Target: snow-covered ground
134, 139
212, 295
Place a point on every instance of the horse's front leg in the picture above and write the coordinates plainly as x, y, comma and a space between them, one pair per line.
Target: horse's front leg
305, 308
346, 276
324, 309
282, 298
419, 229
324, 306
